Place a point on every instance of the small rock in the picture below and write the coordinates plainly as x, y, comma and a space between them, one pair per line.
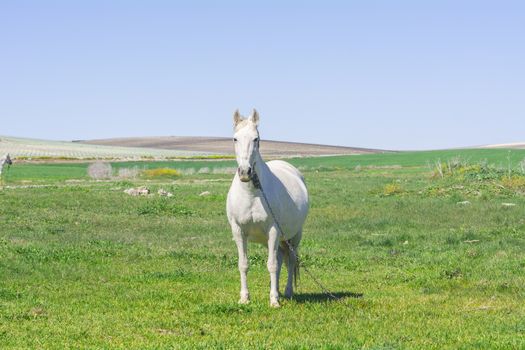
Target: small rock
463, 203
508, 204
205, 193
164, 193
139, 191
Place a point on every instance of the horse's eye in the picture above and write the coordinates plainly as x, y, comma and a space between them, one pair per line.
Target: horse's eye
256, 139
234, 139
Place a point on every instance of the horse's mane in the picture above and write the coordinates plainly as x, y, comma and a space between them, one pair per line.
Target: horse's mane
244, 123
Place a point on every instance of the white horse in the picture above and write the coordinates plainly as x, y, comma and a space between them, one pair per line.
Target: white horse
5, 160
248, 212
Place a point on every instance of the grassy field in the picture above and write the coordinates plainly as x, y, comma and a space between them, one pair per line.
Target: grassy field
421, 261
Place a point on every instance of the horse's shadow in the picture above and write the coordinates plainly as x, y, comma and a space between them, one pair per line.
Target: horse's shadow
323, 297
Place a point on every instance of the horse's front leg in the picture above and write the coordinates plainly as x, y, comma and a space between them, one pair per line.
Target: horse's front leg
242, 249
273, 265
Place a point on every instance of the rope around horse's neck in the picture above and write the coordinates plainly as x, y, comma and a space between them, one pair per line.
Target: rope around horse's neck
257, 184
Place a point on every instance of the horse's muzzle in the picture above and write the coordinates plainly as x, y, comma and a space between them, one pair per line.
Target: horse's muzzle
245, 175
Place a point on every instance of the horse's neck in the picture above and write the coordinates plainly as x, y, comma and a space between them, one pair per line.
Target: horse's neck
261, 169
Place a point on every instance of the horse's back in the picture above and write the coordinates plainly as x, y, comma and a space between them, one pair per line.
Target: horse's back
280, 166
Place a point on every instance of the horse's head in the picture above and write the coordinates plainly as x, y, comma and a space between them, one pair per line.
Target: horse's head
246, 141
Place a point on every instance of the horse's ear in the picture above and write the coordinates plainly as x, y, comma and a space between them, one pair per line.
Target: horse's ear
236, 118
255, 117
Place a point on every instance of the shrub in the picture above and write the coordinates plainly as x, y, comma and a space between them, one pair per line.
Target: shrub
522, 166
227, 170
100, 170
391, 189
188, 171
128, 173
515, 182
460, 169
437, 168
161, 172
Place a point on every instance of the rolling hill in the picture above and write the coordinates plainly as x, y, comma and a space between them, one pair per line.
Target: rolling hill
514, 145
223, 145
38, 149
169, 147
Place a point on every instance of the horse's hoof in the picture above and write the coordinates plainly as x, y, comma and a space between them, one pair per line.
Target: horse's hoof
244, 301
274, 303
288, 295
245, 298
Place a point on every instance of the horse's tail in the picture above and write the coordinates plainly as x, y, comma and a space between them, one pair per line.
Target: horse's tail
290, 252
296, 271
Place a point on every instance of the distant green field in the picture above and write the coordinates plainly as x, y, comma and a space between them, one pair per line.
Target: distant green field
421, 261
68, 170
39, 172
499, 157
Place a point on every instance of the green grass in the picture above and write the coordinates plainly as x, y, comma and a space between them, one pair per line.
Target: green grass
83, 265
416, 159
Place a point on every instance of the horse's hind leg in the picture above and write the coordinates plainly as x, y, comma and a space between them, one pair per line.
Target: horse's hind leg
280, 257
273, 264
292, 265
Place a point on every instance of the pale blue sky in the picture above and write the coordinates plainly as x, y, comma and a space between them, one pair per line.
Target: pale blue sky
383, 74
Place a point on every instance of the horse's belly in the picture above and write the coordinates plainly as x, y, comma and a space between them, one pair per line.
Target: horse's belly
256, 234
